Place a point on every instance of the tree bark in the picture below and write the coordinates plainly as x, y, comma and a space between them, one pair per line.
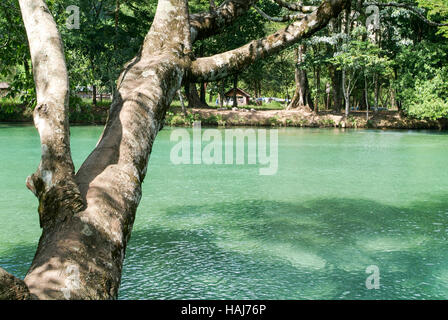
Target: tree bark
12, 288
94, 93
221, 94
302, 95
193, 98
336, 82
182, 104
318, 89
235, 87
366, 95
346, 86
203, 93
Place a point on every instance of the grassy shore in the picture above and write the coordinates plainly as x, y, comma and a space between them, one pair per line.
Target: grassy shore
267, 115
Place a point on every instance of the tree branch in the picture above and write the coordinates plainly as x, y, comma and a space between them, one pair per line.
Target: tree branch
298, 6
221, 65
12, 288
286, 18
53, 182
206, 24
410, 8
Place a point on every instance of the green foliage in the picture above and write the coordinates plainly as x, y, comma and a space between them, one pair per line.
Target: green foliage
15, 66
429, 98
409, 58
361, 57
438, 9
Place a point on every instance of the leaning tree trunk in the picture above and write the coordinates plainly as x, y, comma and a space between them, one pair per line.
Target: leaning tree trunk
81, 250
235, 87
87, 218
302, 95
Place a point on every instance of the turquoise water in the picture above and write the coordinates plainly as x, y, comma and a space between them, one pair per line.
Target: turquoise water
341, 201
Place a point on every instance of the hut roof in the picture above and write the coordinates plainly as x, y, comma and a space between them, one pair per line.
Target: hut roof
4, 85
238, 90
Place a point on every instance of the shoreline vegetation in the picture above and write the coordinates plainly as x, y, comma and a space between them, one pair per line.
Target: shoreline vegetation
273, 115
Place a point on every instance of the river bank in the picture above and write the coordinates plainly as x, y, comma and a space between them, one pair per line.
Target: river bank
298, 118
253, 117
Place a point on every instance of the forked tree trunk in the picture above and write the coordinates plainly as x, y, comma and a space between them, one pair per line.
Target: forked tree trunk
87, 218
80, 255
302, 95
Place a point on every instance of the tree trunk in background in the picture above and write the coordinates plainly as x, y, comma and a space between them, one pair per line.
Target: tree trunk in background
362, 102
345, 85
328, 96
221, 94
377, 92
302, 95
336, 82
94, 95
346, 92
193, 98
318, 89
117, 12
182, 104
235, 87
203, 90
366, 95
210, 97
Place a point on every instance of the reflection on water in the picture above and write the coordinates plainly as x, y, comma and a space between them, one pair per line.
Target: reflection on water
341, 201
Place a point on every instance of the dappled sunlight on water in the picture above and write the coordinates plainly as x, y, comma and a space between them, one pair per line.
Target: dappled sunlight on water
253, 258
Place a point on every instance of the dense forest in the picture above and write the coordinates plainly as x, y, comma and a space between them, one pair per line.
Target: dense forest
377, 56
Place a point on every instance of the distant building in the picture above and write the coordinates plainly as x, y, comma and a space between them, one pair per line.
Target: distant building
242, 97
4, 88
87, 93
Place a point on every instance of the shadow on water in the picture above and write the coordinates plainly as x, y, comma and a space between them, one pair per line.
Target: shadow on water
318, 249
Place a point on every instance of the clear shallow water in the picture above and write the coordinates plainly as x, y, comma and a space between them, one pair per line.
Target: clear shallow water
340, 202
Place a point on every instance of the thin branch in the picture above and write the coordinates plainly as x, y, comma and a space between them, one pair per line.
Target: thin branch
53, 182
286, 18
297, 6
